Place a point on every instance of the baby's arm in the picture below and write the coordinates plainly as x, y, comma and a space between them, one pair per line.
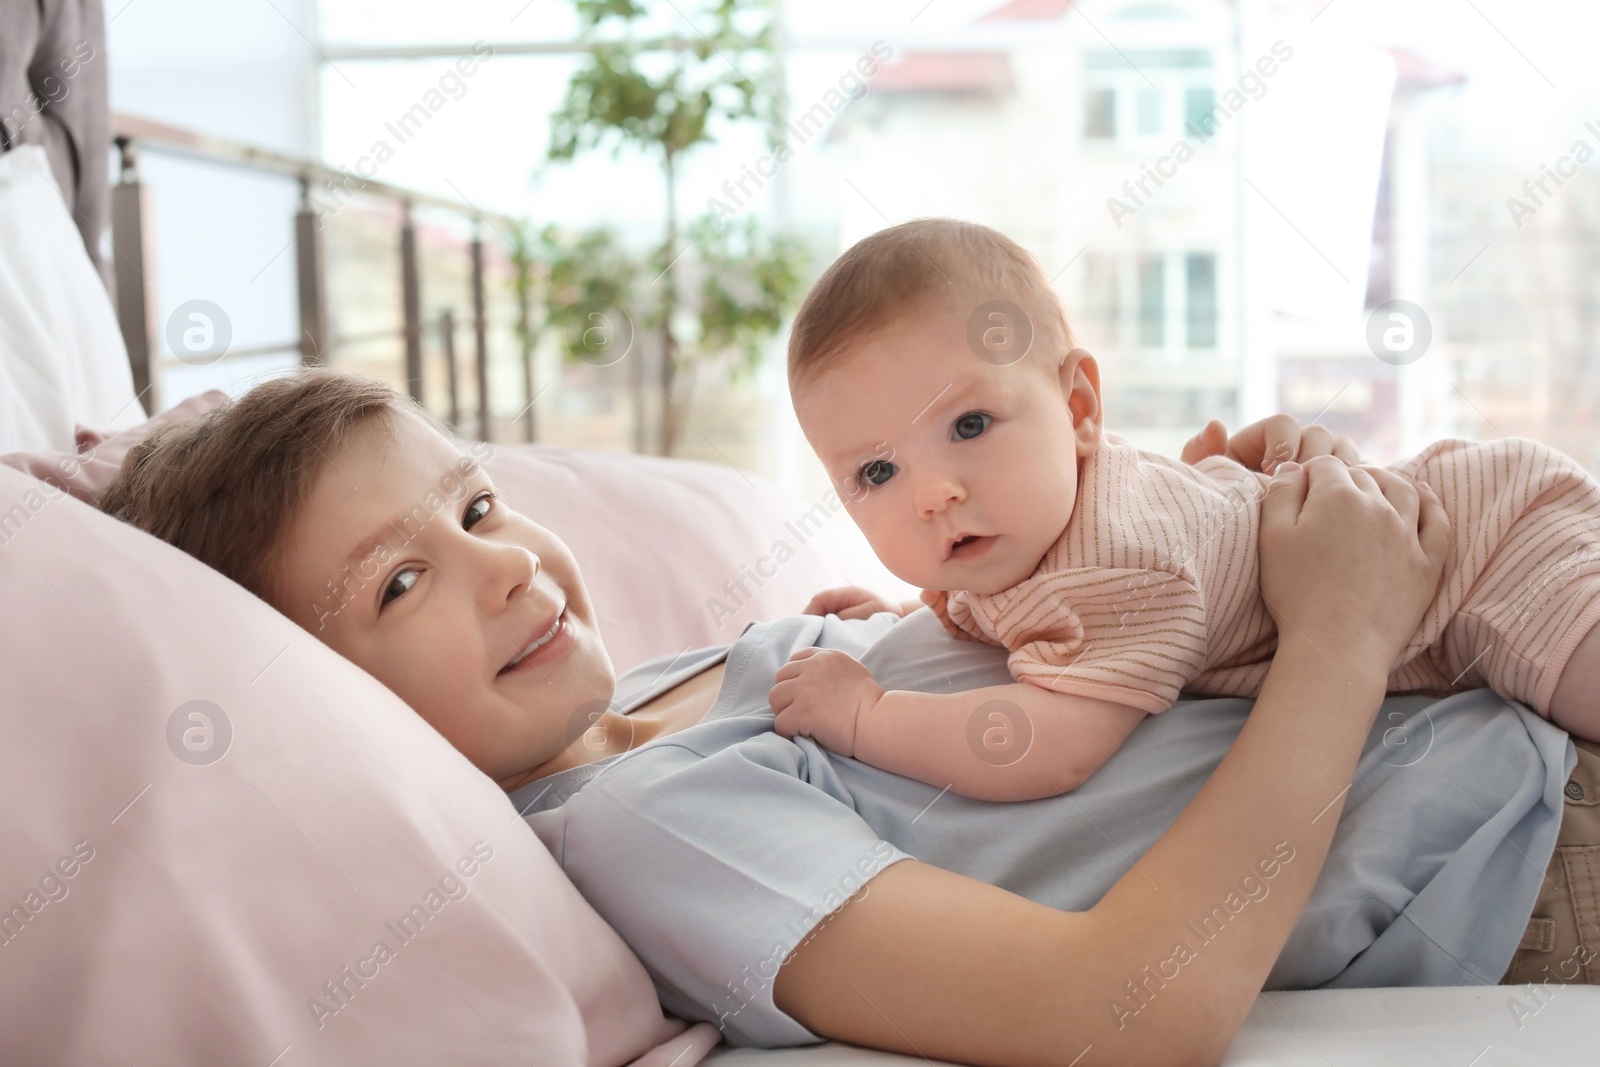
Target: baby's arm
1005, 742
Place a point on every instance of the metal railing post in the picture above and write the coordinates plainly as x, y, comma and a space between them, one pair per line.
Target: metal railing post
135, 269
311, 274
447, 340
524, 321
480, 335
411, 301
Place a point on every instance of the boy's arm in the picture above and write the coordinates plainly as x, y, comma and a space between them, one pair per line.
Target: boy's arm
1006, 742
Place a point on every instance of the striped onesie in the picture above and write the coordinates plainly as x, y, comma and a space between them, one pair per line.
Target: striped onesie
1152, 587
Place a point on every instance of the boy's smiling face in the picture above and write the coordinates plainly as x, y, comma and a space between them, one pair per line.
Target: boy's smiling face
442, 606
960, 473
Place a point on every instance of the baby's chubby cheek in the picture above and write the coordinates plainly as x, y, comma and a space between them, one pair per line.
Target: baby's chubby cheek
909, 553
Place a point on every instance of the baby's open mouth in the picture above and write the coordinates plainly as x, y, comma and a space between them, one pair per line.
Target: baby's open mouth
970, 545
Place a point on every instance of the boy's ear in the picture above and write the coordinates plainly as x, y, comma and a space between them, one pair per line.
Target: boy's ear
1080, 387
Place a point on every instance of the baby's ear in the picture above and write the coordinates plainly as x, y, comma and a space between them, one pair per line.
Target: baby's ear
1080, 386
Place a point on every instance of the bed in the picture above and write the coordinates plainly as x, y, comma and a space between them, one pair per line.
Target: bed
188, 879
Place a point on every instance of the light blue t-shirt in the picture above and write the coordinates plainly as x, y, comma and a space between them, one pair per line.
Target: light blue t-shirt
713, 851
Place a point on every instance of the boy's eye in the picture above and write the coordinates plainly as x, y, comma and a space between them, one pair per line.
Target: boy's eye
875, 473
397, 583
474, 513
971, 425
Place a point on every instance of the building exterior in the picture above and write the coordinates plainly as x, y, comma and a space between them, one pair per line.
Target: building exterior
1105, 136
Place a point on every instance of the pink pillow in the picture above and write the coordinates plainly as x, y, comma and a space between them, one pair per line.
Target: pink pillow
100, 455
224, 841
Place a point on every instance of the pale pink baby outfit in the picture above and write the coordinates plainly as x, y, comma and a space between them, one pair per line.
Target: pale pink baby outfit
1153, 586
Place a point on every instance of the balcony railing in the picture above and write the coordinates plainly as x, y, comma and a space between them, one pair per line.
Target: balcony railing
132, 244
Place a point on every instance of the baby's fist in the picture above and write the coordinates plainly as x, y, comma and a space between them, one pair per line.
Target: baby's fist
821, 694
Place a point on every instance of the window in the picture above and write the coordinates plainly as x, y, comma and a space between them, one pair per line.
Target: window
1101, 302
1139, 96
1200, 291
1100, 113
1157, 304
1152, 301
1149, 101
1199, 116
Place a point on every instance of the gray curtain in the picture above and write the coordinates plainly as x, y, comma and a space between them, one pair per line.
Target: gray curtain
53, 92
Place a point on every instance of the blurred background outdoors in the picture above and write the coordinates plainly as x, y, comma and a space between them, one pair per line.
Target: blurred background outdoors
1383, 217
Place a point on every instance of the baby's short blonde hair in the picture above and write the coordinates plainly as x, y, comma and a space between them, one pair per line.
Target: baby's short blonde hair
919, 266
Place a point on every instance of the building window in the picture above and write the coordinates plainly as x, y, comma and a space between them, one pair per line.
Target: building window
1152, 301
1149, 106
1140, 97
1199, 114
1200, 292
1162, 304
1100, 114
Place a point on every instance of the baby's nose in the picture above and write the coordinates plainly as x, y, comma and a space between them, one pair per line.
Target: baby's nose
939, 493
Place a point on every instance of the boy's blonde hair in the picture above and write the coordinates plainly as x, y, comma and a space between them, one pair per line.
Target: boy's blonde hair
918, 266
227, 486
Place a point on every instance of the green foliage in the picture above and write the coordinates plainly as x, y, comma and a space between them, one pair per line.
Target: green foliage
666, 96
750, 282
591, 281
637, 92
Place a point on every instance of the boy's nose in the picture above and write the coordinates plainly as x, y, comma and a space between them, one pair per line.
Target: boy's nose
513, 572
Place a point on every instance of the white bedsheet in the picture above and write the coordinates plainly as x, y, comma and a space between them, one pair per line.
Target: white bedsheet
62, 359
1456, 1027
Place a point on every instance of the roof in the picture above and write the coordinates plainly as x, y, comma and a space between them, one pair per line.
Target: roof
946, 72
1029, 11
1416, 74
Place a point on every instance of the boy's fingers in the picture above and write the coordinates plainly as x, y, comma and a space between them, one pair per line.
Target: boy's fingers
1210, 441
1345, 449
1401, 493
1325, 472
1286, 495
1363, 479
1314, 441
1433, 525
1263, 445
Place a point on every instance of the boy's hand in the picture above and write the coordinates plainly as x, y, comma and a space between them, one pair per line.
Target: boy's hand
850, 602
1263, 445
821, 694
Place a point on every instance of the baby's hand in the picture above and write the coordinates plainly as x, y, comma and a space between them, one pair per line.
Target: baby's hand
849, 602
821, 694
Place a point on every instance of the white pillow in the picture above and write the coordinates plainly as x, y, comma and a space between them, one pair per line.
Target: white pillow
212, 821
62, 359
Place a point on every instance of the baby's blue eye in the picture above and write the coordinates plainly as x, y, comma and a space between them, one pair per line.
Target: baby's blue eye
971, 425
875, 473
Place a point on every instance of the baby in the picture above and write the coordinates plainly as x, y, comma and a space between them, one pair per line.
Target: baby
934, 374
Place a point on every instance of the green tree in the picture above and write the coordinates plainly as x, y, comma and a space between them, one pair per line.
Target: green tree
667, 97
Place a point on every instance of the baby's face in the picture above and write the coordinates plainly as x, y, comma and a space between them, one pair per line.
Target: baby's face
438, 610
961, 474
